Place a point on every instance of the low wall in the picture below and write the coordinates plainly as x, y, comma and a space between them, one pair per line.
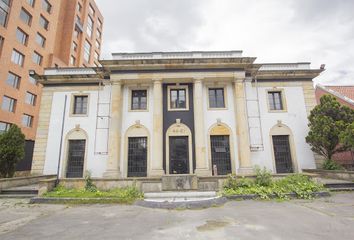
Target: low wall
21, 181
342, 175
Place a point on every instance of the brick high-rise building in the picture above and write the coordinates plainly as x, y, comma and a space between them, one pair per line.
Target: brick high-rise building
38, 34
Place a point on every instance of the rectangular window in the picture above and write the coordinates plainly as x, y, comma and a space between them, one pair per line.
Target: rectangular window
2, 40
139, 100
87, 51
31, 2
32, 80
89, 27
43, 22
91, 10
46, 6
216, 98
275, 100
80, 105
96, 56
21, 36
99, 23
4, 127
4, 12
74, 46
8, 104
40, 40
27, 120
76, 33
37, 58
25, 17
13, 80
98, 44
30, 98
72, 60
99, 34
178, 99
17, 57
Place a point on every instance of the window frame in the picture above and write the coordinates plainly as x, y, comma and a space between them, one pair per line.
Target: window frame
30, 117
33, 98
12, 105
73, 101
224, 88
40, 57
89, 51
130, 102
24, 36
21, 57
46, 21
90, 26
2, 41
72, 60
31, 2
42, 38
6, 14
7, 127
29, 23
46, 6
177, 87
282, 98
18, 81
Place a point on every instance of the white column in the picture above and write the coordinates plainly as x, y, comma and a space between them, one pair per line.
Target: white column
114, 142
202, 165
243, 141
157, 145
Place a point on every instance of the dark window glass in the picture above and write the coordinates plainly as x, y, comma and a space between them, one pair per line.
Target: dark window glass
46, 6
30, 2
216, 98
13, 80
2, 40
3, 16
40, 40
139, 100
178, 98
37, 58
80, 104
275, 100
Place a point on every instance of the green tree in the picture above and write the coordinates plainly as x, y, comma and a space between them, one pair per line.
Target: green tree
12, 150
327, 121
347, 136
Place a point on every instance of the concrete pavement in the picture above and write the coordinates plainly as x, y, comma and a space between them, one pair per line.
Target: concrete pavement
325, 218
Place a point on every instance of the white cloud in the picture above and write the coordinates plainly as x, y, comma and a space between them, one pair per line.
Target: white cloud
319, 31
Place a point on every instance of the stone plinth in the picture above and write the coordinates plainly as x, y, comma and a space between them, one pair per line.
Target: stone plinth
179, 182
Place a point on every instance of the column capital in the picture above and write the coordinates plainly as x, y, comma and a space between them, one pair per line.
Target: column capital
157, 80
116, 81
198, 79
239, 80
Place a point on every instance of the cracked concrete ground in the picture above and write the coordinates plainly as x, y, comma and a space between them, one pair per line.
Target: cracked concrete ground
326, 218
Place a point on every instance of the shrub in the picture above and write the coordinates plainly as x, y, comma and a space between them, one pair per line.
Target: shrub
331, 165
263, 176
89, 185
12, 150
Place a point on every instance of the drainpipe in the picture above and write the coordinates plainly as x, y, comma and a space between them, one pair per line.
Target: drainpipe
61, 141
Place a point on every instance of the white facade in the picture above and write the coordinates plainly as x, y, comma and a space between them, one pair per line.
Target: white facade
96, 124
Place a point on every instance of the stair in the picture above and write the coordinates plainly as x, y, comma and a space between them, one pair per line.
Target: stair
337, 187
20, 192
180, 196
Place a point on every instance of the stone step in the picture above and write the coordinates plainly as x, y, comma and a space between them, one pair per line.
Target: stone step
180, 196
17, 195
340, 185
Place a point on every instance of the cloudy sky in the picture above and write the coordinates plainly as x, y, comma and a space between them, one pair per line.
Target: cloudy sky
317, 31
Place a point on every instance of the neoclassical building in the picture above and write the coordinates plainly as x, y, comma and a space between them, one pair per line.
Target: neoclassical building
156, 114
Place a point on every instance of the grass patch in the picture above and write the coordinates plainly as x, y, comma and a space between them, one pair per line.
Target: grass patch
125, 195
265, 187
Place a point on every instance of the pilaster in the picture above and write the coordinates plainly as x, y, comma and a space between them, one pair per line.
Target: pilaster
157, 146
202, 165
244, 153
114, 142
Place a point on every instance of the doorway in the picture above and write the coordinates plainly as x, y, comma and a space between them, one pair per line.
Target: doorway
282, 154
179, 155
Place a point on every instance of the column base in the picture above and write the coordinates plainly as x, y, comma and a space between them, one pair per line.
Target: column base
203, 172
112, 174
156, 173
246, 170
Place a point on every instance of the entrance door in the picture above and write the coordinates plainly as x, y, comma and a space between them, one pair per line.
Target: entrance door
137, 157
220, 154
179, 157
76, 158
282, 154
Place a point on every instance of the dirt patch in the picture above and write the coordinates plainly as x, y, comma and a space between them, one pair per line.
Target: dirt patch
212, 225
